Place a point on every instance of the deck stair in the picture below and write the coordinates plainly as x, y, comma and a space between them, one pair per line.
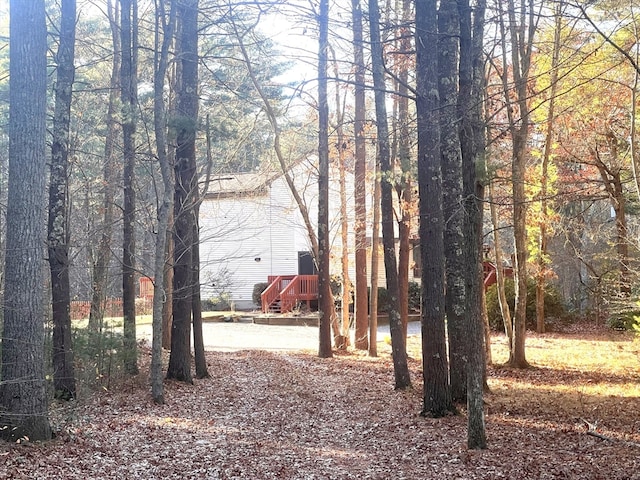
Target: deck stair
286, 292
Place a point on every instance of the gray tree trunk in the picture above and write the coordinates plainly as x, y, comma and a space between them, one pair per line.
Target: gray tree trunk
472, 142
196, 300
361, 306
437, 393
375, 258
128, 97
100, 272
398, 346
405, 186
325, 299
165, 24
454, 214
23, 393
58, 233
185, 191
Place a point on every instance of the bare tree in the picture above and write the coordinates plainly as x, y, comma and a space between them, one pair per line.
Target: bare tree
360, 186
473, 149
325, 299
399, 352
165, 24
518, 24
58, 233
109, 175
129, 100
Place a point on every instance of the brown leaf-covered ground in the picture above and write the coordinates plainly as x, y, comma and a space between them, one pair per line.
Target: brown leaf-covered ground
295, 416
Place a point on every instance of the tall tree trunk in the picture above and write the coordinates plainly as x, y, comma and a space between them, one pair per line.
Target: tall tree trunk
497, 245
542, 261
360, 185
185, 191
165, 25
128, 94
324, 288
196, 301
398, 347
405, 185
613, 184
472, 143
437, 393
326, 302
167, 309
520, 32
58, 232
454, 215
100, 272
342, 340
375, 247
23, 394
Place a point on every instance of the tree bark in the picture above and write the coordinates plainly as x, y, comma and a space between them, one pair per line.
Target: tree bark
342, 340
520, 32
186, 119
472, 143
58, 232
398, 347
542, 260
23, 395
375, 247
404, 156
100, 273
196, 301
454, 215
505, 310
324, 287
167, 309
437, 394
360, 173
165, 25
128, 96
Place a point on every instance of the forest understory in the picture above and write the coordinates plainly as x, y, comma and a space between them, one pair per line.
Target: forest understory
575, 414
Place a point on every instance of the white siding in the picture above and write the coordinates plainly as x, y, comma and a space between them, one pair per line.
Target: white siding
238, 229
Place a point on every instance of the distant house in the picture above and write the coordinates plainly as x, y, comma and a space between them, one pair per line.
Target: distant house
252, 229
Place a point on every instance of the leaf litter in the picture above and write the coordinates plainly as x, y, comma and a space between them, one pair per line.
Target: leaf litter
292, 415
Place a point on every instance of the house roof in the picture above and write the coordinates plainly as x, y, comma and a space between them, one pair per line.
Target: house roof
240, 184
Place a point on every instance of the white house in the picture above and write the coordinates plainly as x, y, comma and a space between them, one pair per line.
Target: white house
251, 227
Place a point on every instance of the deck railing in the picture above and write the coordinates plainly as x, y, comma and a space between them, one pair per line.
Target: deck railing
302, 288
289, 290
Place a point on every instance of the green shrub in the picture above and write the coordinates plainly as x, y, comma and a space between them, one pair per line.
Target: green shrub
553, 306
98, 358
383, 300
258, 288
625, 320
220, 303
415, 292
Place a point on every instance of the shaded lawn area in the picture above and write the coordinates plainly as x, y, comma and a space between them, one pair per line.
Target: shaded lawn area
294, 416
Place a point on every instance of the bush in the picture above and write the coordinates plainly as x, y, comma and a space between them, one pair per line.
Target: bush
415, 292
553, 305
258, 288
221, 303
98, 358
383, 300
625, 320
